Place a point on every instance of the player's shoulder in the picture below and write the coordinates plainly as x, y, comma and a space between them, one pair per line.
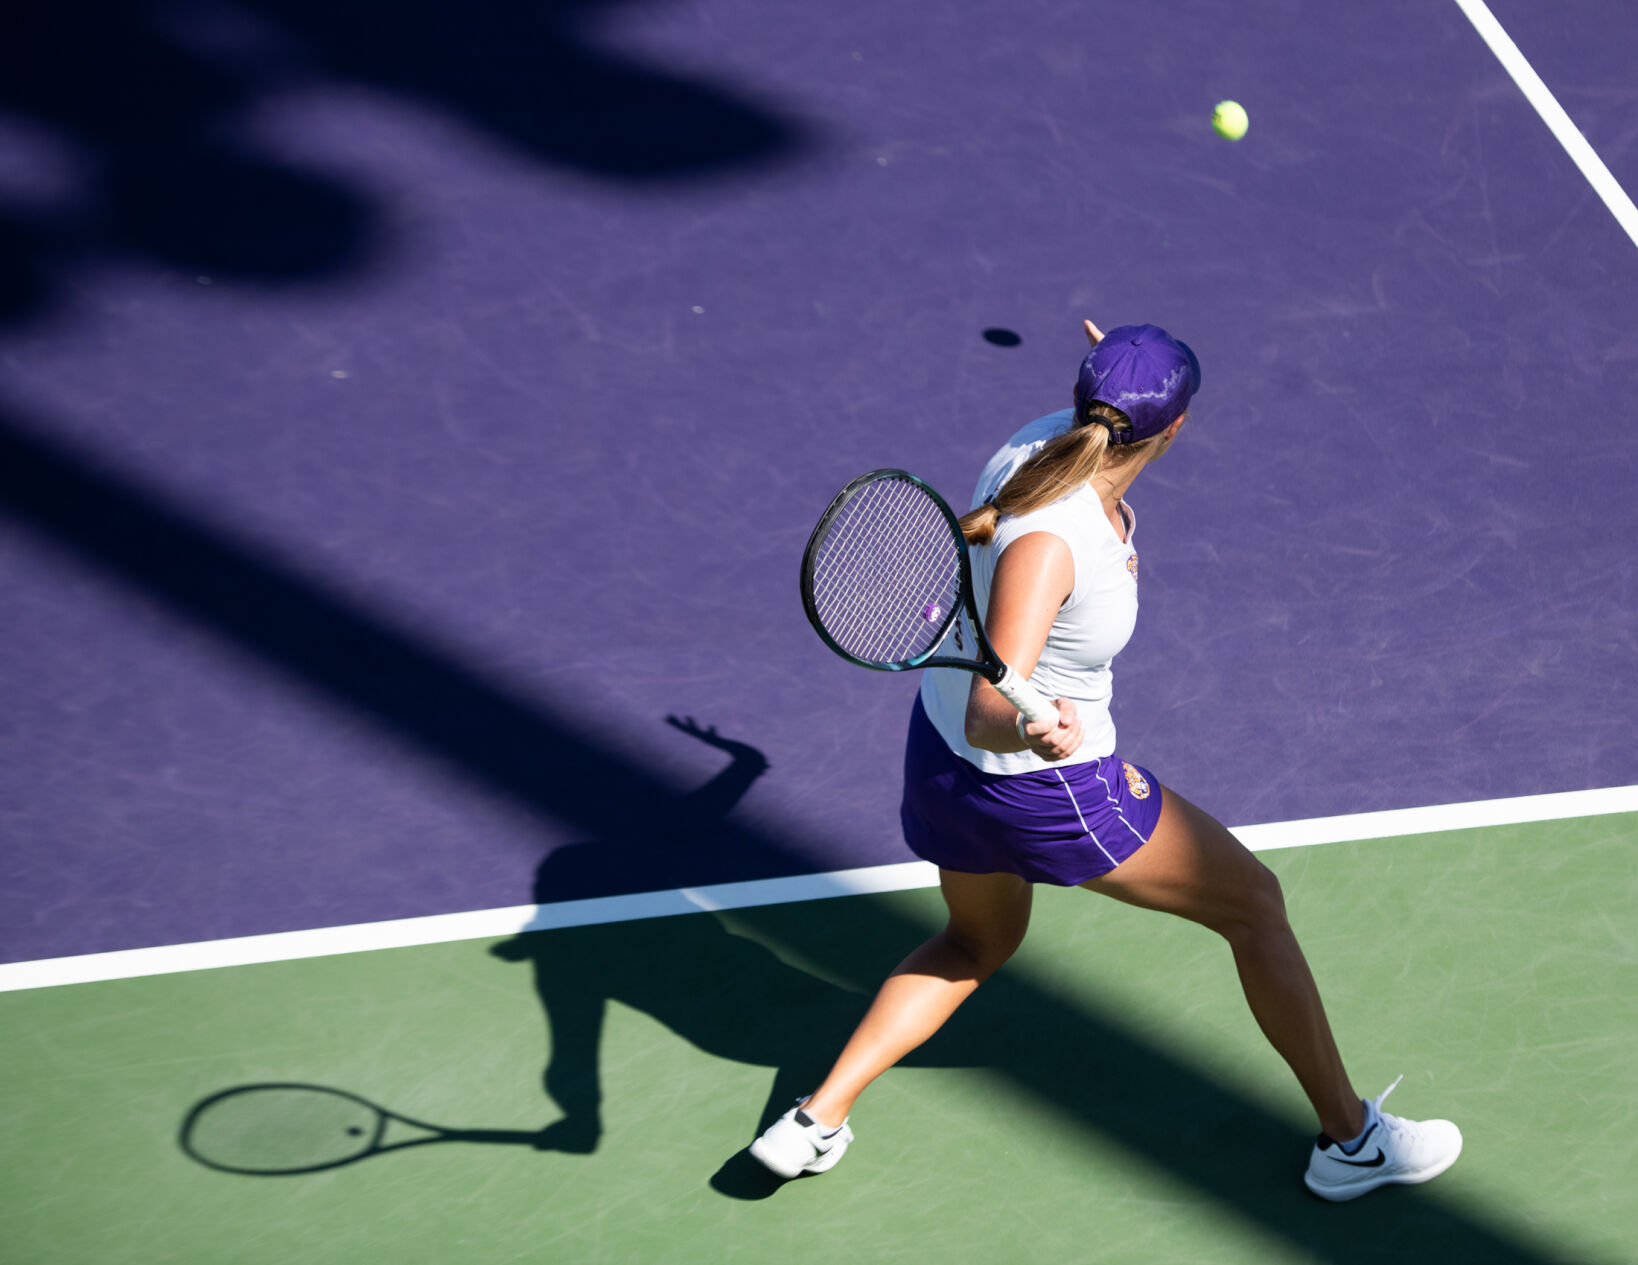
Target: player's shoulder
1033, 434
1019, 448
1072, 516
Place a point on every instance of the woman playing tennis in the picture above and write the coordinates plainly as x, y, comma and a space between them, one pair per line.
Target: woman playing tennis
1000, 804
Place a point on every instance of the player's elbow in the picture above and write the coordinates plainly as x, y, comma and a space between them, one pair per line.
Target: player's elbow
978, 730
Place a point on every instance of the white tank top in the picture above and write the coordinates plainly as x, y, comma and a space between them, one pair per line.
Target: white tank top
1092, 626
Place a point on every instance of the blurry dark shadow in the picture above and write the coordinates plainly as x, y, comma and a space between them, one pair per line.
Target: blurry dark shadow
150, 121
1069, 1056
323, 641
533, 74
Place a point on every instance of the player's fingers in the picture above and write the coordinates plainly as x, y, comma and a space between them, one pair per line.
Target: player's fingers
1094, 335
1062, 744
1067, 730
1059, 738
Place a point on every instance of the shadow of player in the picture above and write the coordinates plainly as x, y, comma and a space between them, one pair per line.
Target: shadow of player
722, 991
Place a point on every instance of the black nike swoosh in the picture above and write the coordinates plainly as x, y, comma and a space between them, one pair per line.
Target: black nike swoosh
1377, 1162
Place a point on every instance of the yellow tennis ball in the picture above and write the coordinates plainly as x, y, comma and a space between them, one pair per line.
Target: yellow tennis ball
1229, 120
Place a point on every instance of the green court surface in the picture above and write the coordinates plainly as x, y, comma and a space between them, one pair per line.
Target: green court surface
1105, 1098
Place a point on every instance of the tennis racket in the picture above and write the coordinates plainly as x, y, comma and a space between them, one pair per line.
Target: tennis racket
885, 578
282, 1128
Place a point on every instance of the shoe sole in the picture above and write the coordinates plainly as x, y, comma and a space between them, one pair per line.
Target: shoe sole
819, 1164
1353, 1190
772, 1163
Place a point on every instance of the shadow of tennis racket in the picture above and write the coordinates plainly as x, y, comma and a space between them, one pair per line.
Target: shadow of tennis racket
285, 1128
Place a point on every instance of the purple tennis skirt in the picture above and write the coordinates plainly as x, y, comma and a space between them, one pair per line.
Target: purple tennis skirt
1060, 826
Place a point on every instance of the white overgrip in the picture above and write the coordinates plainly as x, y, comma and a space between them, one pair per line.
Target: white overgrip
1035, 705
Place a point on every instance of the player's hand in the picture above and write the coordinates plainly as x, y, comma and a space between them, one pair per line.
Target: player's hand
745, 754
1059, 741
1094, 335
576, 1134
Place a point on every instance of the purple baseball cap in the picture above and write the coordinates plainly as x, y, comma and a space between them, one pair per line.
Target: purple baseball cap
1145, 373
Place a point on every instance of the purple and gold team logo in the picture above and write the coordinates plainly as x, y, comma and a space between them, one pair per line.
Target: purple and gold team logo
1135, 781
1131, 565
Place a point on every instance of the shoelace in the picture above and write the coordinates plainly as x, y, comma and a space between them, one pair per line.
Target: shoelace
1391, 1123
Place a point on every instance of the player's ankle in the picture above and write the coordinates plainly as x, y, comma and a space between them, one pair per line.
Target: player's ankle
1347, 1129
827, 1120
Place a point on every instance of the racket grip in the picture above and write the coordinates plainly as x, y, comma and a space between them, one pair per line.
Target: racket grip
1035, 705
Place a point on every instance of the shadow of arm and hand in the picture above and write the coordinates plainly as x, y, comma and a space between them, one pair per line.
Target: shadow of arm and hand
702, 813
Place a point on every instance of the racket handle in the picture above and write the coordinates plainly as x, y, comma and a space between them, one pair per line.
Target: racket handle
1035, 705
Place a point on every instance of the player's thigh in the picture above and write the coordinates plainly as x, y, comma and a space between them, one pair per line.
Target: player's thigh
1194, 868
989, 913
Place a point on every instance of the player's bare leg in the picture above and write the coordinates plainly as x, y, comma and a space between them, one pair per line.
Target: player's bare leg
989, 914
1193, 867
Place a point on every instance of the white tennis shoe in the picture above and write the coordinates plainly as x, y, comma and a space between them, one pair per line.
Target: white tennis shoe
796, 1143
1393, 1151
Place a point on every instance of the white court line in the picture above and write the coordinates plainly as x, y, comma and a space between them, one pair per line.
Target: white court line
1558, 122
486, 923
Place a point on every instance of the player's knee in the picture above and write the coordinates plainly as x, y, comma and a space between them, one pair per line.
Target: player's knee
1258, 908
988, 947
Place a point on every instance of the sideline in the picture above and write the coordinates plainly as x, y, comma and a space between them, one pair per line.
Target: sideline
1552, 114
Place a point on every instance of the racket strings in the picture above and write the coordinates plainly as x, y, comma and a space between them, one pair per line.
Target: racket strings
283, 1129
887, 573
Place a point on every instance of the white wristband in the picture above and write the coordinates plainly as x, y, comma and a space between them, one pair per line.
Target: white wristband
1019, 725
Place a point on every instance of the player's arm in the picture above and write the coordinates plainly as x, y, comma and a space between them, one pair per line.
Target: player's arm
1033, 578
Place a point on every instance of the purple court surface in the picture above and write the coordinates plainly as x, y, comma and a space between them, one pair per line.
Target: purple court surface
412, 416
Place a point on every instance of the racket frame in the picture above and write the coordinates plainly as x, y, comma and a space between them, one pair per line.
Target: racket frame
1014, 688
376, 1144
365, 1149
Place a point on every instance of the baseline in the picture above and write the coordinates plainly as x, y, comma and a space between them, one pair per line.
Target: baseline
870, 880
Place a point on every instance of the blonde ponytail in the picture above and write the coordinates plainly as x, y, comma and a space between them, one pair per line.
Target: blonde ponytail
1062, 465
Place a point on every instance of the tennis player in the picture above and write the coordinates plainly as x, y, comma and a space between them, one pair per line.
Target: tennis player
1000, 804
